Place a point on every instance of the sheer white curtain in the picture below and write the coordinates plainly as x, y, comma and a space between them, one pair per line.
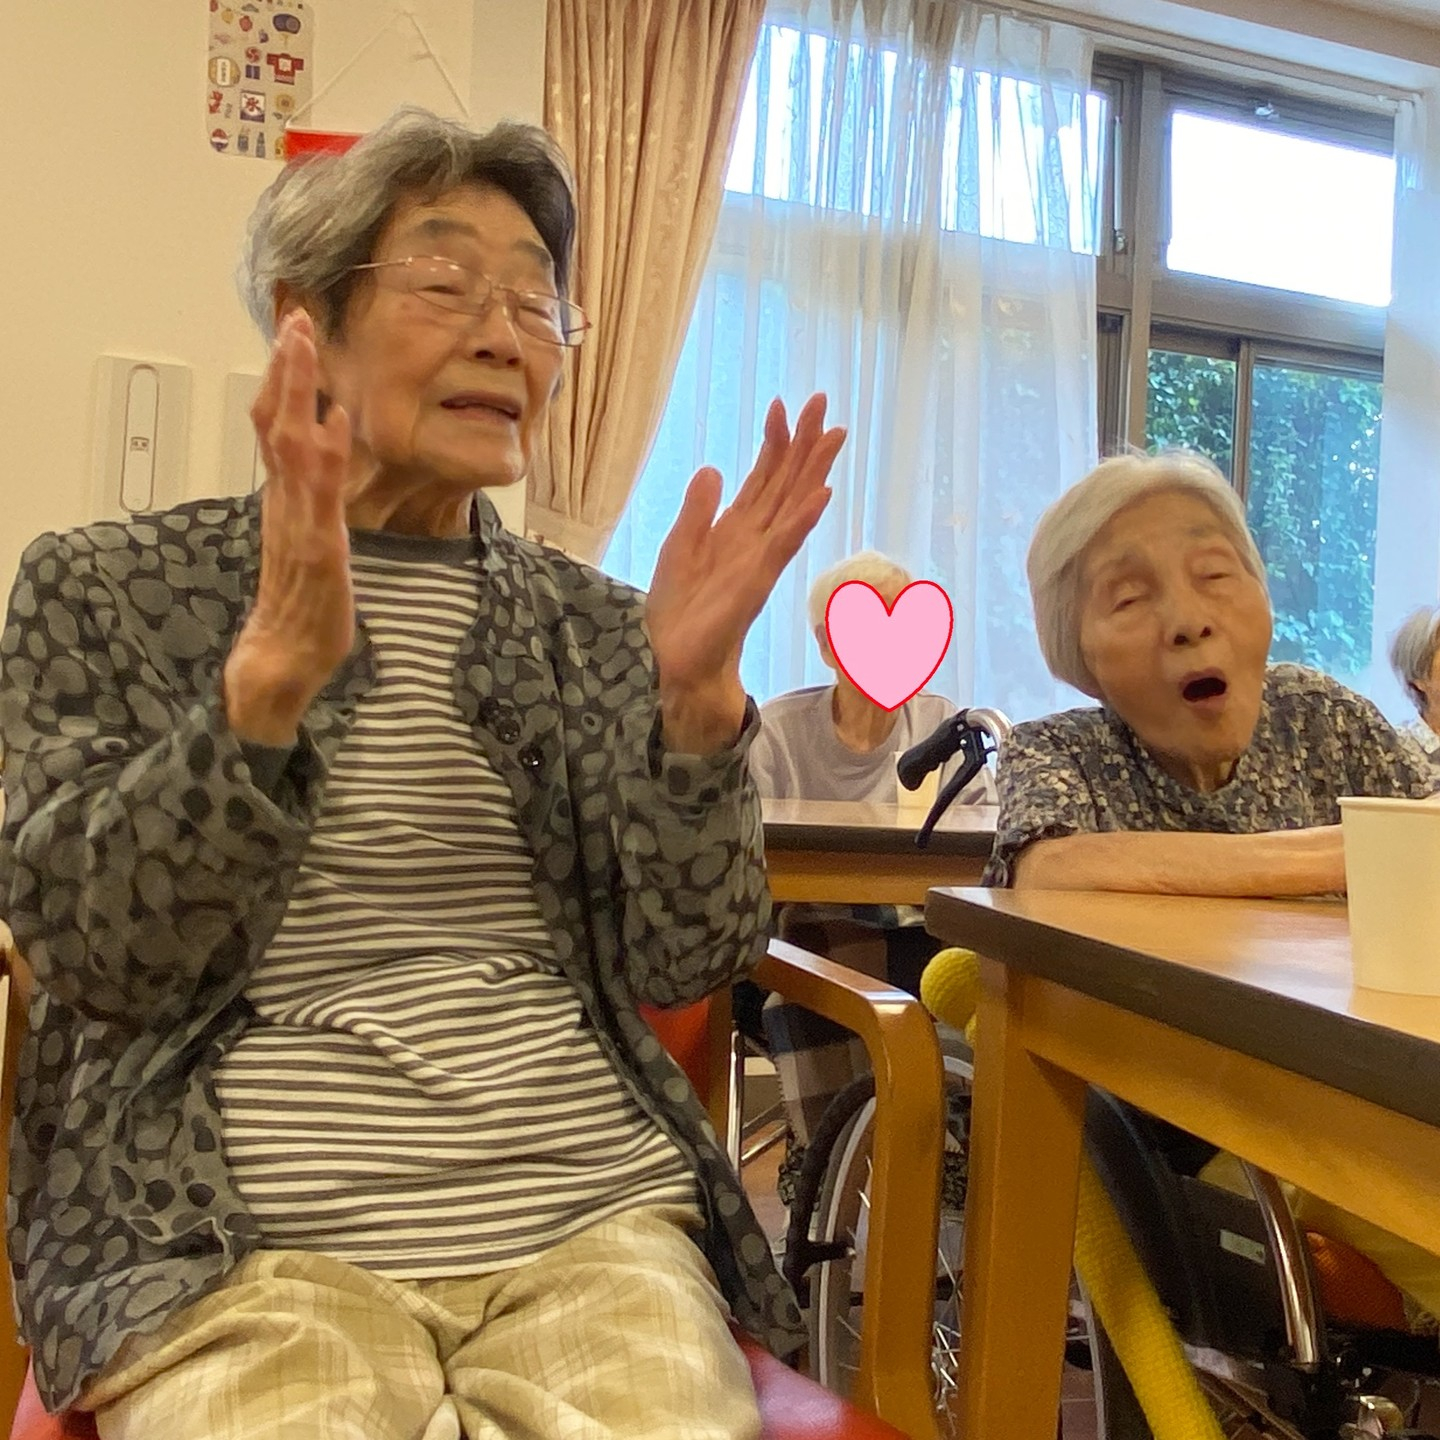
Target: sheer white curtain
908, 226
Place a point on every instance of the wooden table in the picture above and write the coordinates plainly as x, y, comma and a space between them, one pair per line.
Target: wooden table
1235, 1019
837, 852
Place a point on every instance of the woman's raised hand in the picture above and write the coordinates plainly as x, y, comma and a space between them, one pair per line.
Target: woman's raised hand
714, 576
303, 621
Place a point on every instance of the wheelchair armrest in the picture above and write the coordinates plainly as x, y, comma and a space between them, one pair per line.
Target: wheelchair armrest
899, 1037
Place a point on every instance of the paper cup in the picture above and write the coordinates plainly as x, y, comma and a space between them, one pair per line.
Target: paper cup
1392, 873
917, 801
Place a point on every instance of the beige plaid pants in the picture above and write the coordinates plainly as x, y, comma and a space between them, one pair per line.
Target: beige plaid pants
616, 1334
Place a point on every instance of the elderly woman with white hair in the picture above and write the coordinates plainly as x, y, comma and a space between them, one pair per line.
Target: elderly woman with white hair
1415, 659
346, 834
1203, 770
832, 742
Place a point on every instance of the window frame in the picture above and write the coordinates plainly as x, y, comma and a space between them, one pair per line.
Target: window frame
1247, 352
1133, 282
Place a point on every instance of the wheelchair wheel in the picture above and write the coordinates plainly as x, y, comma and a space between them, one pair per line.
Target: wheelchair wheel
830, 1227
826, 1250
1118, 1415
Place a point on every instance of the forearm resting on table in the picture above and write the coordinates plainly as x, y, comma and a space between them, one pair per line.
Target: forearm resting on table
1279, 862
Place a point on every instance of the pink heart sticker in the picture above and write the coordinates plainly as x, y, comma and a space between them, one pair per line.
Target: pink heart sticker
889, 653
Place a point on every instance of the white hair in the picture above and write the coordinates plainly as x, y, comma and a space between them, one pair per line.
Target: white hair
323, 216
869, 565
1412, 652
1056, 560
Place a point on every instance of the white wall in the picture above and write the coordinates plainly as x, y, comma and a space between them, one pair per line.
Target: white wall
1406, 31
122, 227
1391, 51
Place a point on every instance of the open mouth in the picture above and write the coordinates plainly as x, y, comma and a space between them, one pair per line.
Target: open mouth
1204, 687
501, 409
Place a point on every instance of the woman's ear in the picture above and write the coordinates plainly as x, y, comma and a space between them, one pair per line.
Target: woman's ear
286, 300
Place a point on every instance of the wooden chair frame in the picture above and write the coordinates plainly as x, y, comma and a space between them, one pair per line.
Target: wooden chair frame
894, 1377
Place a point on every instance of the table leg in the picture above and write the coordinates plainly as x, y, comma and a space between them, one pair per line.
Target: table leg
1025, 1137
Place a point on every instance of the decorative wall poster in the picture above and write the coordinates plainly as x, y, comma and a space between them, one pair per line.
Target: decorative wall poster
258, 75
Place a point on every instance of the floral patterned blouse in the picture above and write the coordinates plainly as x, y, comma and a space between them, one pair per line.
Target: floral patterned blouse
1423, 736
1085, 771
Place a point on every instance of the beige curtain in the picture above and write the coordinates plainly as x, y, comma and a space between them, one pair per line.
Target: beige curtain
643, 96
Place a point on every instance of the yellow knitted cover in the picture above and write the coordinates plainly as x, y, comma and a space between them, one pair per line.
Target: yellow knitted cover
1111, 1272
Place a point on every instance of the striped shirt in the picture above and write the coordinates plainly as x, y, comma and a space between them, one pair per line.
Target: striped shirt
422, 1093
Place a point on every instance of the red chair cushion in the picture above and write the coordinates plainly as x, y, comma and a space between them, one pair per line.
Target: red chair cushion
685, 1033
792, 1407
32, 1423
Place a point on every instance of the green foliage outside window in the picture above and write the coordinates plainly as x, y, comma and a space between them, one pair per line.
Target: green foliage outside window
1190, 402
1313, 472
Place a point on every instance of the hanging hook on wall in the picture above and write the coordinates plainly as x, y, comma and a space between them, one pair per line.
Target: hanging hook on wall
309, 141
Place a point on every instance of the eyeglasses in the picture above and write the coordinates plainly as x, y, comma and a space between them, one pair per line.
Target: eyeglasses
469, 292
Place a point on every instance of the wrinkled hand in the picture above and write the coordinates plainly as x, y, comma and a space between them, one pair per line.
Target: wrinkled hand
303, 621
714, 576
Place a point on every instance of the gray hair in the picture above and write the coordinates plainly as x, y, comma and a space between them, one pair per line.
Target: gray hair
869, 565
323, 215
1057, 553
1412, 652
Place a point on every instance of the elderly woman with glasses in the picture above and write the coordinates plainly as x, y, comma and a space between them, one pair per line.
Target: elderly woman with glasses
345, 835
1203, 770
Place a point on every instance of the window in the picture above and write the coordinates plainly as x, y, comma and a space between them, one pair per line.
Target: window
1190, 400
1300, 439
1266, 207
1239, 245
883, 192
777, 153
1268, 223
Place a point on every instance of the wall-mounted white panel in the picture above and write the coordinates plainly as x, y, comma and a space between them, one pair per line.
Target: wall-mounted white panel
142, 436
241, 469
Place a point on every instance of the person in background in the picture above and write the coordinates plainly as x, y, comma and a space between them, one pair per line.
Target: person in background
1415, 658
1203, 770
832, 742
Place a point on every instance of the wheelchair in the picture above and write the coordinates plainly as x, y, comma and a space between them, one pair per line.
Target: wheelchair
1238, 1277
825, 1246
1235, 1273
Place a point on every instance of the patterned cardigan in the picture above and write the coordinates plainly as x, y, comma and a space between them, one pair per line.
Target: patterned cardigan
143, 874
